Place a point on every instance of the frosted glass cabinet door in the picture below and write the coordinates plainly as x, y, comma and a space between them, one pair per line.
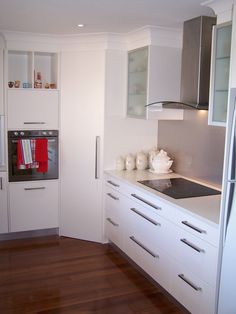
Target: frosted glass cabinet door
137, 82
220, 74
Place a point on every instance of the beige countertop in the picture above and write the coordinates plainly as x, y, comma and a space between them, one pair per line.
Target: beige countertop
206, 207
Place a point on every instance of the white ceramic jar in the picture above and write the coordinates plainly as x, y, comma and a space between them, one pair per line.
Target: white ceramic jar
120, 163
141, 161
129, 162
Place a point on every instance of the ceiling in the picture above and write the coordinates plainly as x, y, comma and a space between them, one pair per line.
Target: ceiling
117, 16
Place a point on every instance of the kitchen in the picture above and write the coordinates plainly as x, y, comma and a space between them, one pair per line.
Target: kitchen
87, 61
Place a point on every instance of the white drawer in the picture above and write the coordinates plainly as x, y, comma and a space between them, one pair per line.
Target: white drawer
146, 224
113, 183
153, 262
151, 202
198, 227
33, 205
198, 255
113, 228
196, 295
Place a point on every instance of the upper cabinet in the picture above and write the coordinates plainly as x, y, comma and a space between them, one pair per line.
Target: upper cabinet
32, 92
220, 65
153, 75
1, 83
233, 52
34, 70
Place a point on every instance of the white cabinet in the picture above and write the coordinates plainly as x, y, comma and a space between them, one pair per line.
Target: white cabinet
3, 203
233, 51
82, 117
33, 205
31, 109
220, 67
153, 75
177, 249
113, 216
1, 81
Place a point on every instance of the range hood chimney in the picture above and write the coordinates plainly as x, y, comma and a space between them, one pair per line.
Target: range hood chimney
195, 68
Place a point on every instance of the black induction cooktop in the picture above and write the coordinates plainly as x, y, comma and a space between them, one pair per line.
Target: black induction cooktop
179, 188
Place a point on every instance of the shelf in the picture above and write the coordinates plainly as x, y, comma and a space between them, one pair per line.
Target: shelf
25, 66
220, 58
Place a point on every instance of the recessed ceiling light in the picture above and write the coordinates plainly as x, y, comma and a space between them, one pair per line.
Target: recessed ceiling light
80, 25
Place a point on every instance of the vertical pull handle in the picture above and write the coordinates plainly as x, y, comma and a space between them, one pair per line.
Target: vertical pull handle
97, 155
1, 184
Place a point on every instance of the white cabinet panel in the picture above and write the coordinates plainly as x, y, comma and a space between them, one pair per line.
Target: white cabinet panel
196, 295
198, 255
3, 203
233, 52
33, 205
113, 216
33, 109
82, 117
1, 81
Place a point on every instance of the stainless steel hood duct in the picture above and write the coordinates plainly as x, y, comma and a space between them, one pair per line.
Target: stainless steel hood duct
195, 68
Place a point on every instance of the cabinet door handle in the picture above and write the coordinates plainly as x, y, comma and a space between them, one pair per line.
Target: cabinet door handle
186, 223
193, 246
181, 276
112, 222
113, 197
112, 183
97, 154
34, 122
143, 247
38, 188
146, 202
145, 217
1, 184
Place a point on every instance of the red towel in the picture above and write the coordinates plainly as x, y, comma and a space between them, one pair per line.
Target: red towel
20, 160
41, 154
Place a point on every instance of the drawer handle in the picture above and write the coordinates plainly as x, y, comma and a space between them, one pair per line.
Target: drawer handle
38, 188
112, 183
146, 202
113, 197
34, 122
181, 276
192, 246
143, 247
145, 217
112, 222
186, 223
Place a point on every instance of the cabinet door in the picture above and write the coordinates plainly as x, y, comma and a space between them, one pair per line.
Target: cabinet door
137, 82
195, 294
82, 112
233, 51
29, 109
3, 204
33, 205
1, 82
220, 66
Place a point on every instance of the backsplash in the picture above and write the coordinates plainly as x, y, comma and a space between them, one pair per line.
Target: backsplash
196, 147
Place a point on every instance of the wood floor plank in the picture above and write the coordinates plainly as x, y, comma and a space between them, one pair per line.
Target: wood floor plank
62, 275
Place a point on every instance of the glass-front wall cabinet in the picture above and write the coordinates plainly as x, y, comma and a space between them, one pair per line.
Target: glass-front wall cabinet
220, 74
137, 82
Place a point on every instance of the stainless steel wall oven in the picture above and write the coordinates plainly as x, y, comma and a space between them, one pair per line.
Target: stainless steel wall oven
32, 155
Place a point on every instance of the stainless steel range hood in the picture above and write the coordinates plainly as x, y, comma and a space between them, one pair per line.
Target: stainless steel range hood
195, 68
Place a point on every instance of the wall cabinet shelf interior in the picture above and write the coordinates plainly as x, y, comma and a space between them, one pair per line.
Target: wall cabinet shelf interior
24, 66
220, 74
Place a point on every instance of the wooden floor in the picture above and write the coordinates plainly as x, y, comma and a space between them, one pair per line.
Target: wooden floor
62, 275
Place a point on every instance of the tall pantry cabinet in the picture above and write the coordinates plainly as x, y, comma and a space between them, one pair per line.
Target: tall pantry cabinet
82, 118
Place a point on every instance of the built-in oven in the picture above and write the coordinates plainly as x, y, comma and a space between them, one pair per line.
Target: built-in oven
32, 155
